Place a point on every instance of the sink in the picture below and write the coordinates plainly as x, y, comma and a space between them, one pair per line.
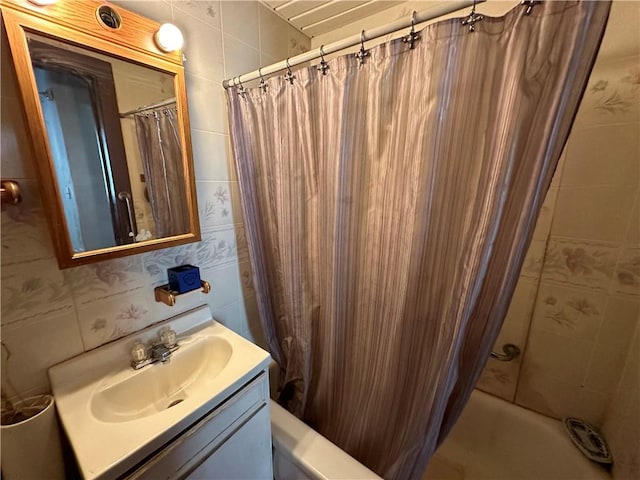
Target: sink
131, 394
115, 416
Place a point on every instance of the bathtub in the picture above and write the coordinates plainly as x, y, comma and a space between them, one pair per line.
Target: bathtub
300, 453
497, 440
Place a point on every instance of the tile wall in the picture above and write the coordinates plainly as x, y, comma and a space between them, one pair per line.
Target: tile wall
49, 315
588, 302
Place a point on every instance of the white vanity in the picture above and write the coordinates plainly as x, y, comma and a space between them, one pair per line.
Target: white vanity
202, 414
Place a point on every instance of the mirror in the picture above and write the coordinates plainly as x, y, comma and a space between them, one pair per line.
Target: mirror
109, 125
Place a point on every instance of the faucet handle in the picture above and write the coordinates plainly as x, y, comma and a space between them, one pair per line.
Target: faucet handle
168, 337
138, 352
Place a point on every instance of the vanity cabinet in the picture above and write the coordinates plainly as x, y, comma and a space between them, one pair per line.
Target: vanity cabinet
233, 441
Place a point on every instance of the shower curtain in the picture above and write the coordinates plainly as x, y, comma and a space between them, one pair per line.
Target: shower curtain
159, 144
388, 208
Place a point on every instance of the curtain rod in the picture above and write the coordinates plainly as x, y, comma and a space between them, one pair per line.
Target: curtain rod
163, 103
419, 17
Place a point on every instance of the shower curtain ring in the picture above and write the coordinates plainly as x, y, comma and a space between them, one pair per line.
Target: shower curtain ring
241, 90
363, 53
473, 18
289, 77
412, 37
324, 66
263, 84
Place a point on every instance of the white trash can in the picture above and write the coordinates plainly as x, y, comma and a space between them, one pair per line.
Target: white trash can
31, 441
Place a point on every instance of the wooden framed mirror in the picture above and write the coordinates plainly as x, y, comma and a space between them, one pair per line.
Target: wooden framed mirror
107, 113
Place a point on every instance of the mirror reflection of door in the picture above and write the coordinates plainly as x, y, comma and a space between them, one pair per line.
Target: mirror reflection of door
78, 99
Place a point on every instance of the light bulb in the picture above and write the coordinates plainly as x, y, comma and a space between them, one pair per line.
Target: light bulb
42, 3
168, 38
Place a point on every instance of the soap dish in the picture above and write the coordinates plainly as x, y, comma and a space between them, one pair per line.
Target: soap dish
164, 294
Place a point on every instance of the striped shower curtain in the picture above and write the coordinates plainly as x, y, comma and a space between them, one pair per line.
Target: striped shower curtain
388, 208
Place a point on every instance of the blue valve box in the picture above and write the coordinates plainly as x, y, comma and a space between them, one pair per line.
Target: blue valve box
184, 278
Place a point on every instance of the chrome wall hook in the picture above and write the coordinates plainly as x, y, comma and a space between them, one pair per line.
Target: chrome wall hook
289, 77
472, 19
263, 84
529, 4
412, 37
323, 66
363, 53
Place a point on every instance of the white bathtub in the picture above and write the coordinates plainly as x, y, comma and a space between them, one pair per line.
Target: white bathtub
497, 440
300, 453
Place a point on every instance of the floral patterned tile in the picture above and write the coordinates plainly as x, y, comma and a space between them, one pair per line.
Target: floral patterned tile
613, 93
97, 281
32, 289
218, 247
500, 379
108, 319
218, 203
580, 263
157, 262
627, 276
246, 277
573, 312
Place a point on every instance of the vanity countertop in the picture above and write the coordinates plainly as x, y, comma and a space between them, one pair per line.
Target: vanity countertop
115, 416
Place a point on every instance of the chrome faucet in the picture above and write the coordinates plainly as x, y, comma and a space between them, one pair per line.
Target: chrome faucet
161, 351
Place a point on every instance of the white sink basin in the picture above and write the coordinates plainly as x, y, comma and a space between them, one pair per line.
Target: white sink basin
115, 416
127, 395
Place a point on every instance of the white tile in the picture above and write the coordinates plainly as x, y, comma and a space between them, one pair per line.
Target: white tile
605, 368
36, 345
240, 58
202, 47
298, 42
597, 213
603, 155
206, 11
17, 154
156, 10
206, 104
621, 318
562, 358
273, 34
210, 156
232, 316
241, 20
226, 286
